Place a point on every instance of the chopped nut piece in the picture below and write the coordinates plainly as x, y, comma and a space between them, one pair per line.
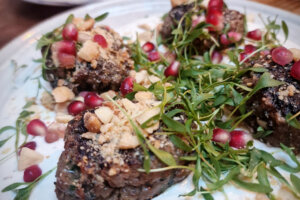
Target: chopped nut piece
84, 36
61, 108
63, 118
175, 3
128, 141
154, 79
296, 54
62, 94
91, 122
29, 157
83, 25
145, 27
147, 115
57, 128
144, 96
105, 114
109, 93
89, 51
89, 135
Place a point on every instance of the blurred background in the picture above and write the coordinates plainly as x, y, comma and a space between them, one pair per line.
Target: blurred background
19, 15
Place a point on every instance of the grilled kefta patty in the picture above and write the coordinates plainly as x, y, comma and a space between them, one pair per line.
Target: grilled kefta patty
272, 105
232, 18
84, 173
104, 73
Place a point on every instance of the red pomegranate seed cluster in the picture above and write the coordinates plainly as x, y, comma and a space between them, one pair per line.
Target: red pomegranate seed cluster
32, 173
249, 48
282, 55
127, 85
255, 34
295, 70
172, 69
152, 54
214, 15
100, 40
237, 138
216, 57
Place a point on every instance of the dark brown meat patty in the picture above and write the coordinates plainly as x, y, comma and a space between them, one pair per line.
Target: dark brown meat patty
111, 67
272, 105
232, 18
83, 173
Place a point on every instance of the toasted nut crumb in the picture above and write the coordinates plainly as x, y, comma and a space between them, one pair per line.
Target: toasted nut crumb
128, 141
296, 54
105, 114
109, 93
91, 122
63, 118
62, 94
89, 51
112, 171
83, 25
84, 36
57, 128
175, 3
29, 157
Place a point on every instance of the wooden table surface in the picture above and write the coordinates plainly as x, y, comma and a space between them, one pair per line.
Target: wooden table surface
17, 16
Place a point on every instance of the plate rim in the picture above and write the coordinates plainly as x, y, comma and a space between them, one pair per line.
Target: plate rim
12, 45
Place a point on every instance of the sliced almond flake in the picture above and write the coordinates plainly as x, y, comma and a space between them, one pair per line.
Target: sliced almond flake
104, 113
62, 94
29, 157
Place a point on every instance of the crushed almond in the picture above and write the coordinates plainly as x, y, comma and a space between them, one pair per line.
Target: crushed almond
62, 94
29, 157
89, 51
109, 93
63, 118
91, 122
84, 36
296, 54
83, 24
105, 114
128, 141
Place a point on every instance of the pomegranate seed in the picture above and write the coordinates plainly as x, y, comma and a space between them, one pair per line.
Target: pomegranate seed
239, 139
265, 52
282, 56
51, 137
197, 20
221, 136
83, 93
76, 107
65, 46
31, 173
100, 40
148, 47
215, 5
243, 56
92, 100
36, 128
249, 48
216, 57
234, 36
224, 40
215, 18
31, 145
70, 32
127, 86
57, 128
153, 56
295, 70
173, 69
170, 56
255, 34
66, 60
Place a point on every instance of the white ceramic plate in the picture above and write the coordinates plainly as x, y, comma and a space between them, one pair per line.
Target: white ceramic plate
61, 2
124, 16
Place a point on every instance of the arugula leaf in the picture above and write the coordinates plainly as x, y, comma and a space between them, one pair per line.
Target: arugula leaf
293, 122
2, 142
101, 17
164, 156
6, 128
296, 182
179, 143
173, 124
285, 30
260, 188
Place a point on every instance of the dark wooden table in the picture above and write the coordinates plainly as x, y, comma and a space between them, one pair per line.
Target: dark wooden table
17, 16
